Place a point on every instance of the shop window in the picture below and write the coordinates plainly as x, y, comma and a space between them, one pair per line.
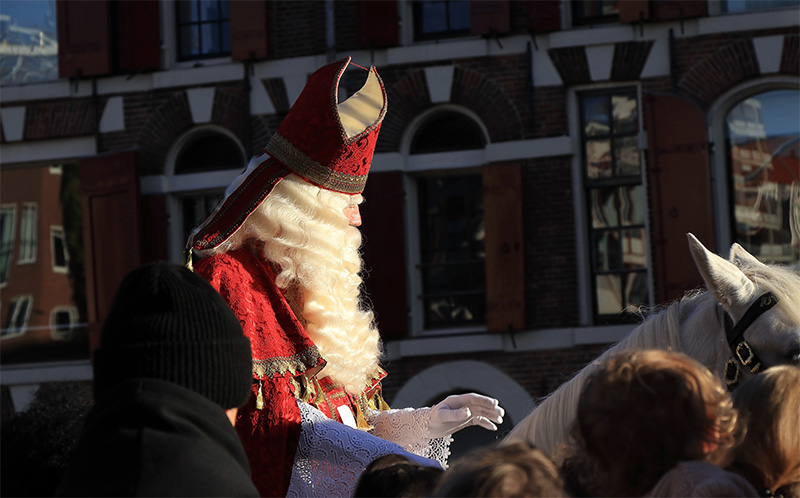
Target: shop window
763, 148
441, 19
29, 37
27, 234
203, 28
615, 197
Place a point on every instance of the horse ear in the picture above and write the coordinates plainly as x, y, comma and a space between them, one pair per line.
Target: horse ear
729, 285
741, 258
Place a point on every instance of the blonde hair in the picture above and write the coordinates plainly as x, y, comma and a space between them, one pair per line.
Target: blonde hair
308, 238
641, 413
770, 454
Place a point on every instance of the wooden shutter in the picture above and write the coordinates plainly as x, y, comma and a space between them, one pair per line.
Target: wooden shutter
249, 33
544, 15
138, 35
502, 219
489, 16
679, 187
377, 23
111, 230
83, 38
665, 10
384, 251
631, 11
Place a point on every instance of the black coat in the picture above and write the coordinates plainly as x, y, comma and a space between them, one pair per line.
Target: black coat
155, 438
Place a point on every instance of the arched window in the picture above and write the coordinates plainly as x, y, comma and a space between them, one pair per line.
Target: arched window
450, 220
763, 153
208, 151
447, 132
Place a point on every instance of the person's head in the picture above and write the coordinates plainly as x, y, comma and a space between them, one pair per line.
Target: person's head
396, 475
513, 469
641, 412
298, 204
169, 324
769, 404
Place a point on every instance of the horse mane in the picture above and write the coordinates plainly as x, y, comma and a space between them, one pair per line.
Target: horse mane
549, 423
783, 281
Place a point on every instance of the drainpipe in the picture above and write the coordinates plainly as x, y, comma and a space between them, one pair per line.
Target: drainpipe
330, 33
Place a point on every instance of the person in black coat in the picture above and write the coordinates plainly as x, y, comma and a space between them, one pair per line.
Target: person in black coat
172, 368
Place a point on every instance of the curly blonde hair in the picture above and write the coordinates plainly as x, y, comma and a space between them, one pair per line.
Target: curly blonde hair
769, 456
309, 240
640, 414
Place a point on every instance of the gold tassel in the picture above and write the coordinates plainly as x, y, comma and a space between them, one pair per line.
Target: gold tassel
187, 257
361, 421
259, 398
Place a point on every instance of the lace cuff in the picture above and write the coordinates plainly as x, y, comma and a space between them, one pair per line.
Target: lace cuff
331, 456
408, 427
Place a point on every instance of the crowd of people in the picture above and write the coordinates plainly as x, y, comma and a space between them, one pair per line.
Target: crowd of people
256, 371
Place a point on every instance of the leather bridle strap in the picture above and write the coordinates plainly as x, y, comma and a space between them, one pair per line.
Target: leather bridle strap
740, 348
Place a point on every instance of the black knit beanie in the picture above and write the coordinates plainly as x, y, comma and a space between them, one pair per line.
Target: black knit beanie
168, 323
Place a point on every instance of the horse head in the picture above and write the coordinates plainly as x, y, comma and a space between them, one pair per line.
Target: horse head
738, 283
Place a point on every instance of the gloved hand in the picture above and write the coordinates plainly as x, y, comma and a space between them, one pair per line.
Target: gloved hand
459, 411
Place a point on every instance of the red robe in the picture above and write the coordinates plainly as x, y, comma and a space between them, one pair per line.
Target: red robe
283, 357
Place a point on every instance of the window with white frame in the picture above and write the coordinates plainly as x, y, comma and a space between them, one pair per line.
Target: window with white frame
27, 233
63, 321
763, 147
203, 29
58, 250
452, 261
615, 197
8, 215
19, 312
586, 12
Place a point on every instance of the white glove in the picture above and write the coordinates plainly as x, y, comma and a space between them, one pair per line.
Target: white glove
459, 411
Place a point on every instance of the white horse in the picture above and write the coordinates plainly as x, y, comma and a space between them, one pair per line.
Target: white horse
695, 325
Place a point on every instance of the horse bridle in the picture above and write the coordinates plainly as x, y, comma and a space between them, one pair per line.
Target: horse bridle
740, 348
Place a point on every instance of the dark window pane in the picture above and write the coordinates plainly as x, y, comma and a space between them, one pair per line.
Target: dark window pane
190, 40
187, 11
736, 6
446, 132
225, 37
626, 152
209, 36
598, 159
434, 17
459, 15
635, 289
608, 253
209, 152
595, 115
604, 207
59, 251
209, 10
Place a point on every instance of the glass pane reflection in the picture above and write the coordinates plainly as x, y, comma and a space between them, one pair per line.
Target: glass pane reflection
626, 114
43, 312
609, 294
764, 146
631, 205
595, 115
626, 150
598, 159
634, 254
604, 207
607, 250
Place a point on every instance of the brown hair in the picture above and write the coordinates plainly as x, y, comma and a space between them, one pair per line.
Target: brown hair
641, 413
769, 456
513, 469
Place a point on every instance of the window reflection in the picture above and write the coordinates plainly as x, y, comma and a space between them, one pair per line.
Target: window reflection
28, 42
616, 198
764, 154
43, 313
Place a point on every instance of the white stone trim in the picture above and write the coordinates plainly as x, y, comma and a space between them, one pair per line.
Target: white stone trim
13, 119
113, 118
440, 82
769, 50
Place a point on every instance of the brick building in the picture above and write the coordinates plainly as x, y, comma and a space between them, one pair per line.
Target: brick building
536, 173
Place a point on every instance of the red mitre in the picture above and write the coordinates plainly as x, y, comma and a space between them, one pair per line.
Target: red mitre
327, 143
